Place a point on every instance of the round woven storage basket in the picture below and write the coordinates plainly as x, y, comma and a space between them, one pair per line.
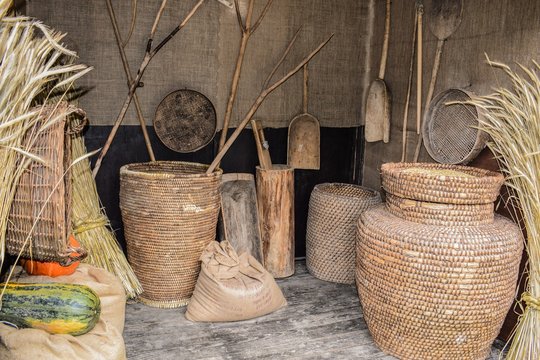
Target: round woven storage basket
334, 209
170, 212
435, 292
441, 183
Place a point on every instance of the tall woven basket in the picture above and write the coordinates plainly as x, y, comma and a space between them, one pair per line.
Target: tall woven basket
436, 279
39, 220
334, 209
170, 212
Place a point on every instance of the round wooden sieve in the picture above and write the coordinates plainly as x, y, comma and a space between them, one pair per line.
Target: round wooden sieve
450, 129
185, 121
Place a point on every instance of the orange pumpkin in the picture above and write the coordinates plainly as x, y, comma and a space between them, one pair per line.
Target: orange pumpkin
52, 269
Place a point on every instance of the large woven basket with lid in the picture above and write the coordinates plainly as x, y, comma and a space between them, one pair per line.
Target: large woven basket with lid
436, 280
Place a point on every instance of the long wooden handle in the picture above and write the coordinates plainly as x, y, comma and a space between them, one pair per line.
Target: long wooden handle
434, 72
384, 54
419, 59
305, 100
408, 97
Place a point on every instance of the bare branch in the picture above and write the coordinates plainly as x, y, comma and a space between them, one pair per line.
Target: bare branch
259, 20
258, 103
282, 58
239, 16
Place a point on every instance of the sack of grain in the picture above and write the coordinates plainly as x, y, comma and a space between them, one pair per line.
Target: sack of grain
232, 287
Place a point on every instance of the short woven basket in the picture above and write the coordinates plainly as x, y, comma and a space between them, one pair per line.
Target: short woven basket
441, 183
170, 212
334, 209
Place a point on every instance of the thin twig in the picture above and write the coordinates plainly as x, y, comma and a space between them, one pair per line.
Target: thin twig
129, 77
135, 84
282, 58
258, 103
132, 24
259, 20
239, 17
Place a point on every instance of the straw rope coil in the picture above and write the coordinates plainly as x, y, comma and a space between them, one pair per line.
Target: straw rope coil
334, 209
435, 292
441, 183
170, 211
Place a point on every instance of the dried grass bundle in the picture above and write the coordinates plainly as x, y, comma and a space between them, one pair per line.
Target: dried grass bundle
512, 119
33, 65
91, 226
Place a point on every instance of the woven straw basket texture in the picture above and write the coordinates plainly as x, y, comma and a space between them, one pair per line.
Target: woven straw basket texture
42, 196
437, 287
334, 209
441, 183
170, 212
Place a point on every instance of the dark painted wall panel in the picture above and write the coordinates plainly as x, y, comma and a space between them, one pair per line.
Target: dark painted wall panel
337, 159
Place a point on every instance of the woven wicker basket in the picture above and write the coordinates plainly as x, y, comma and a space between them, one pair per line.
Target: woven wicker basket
334, 209
436, 280
170, 212
441, 183
41, 206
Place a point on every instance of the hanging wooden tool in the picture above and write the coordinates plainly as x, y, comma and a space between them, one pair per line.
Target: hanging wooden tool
444, 19
239, 223
262, 145
379, 98
185, 121
304, 136
417, 14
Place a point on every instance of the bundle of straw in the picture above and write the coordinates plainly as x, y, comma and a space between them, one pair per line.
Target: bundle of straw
33, 65
512, 118
91, 226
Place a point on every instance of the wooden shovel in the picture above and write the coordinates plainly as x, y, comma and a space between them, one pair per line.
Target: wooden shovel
304, 136
378, 105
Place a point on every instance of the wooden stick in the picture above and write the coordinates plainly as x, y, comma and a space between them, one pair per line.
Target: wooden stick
129, 77
305, 92
384, 55
131, 25
247, 31
258, 103
419, 44
150, 53
282, 58
431, 89
408, 97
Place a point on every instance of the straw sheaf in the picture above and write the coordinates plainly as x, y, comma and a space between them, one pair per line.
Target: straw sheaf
334, 209
435, 292
170, 212
439, 214
476, 186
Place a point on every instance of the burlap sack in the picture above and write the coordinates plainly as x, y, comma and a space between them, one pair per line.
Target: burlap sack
232, 287
105, 341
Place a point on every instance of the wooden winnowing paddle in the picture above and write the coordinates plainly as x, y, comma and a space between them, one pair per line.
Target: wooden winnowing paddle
304, 136
378, 105
444, 19
239, 221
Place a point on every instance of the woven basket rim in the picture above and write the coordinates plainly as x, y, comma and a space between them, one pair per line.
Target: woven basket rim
480, 176
321, 189
130, 169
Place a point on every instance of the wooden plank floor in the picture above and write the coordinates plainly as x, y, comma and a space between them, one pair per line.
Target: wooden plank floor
322, 321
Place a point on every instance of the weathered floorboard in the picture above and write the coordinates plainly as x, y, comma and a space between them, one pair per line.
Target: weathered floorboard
323, 320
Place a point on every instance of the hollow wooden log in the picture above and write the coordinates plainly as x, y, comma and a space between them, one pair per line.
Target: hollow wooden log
275, 200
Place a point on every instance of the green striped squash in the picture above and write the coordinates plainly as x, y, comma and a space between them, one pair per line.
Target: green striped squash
54, 307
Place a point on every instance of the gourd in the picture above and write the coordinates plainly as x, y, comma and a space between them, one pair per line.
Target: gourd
52, 269
57, 308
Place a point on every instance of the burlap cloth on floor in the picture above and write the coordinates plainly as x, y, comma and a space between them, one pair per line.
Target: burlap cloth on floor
105, 341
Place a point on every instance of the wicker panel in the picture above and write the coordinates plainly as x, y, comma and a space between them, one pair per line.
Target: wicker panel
435, 292
170, 211
439, 214
334, 209
41, 194
441, 183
